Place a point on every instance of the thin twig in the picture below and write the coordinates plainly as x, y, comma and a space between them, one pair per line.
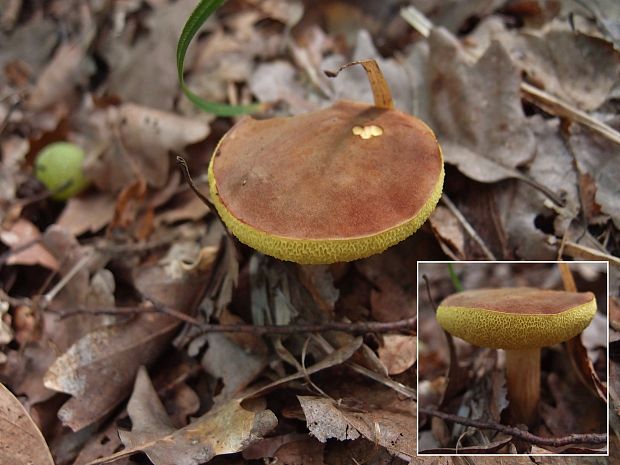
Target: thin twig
50, 295
571, 439
467, 226
190, 182
104, 311
361, 327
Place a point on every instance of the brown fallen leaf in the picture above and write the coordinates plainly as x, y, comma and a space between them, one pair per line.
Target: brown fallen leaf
115, 352
448, 232
130, 141
88, 212
576, 67
391, 426
227, 428
21, 442
398, 352
148, 134
59, 79
140, 72
19, 234
599, 159
234, 364
476, 110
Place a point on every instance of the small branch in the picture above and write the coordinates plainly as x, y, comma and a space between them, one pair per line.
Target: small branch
468, 227
353, 328
190, 182
571, 439
104, 311
361, 327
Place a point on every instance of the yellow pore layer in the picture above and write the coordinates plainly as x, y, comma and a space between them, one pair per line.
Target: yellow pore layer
323, 251
500, 330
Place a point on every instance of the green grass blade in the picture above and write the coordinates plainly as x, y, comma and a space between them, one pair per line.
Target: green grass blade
201, 13
455, 279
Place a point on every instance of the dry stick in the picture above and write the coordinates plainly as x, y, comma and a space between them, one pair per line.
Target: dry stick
582, 252
362, 327
571, 439
538, 97
50, 295
354, 328
385, 380
190, 182
468, 227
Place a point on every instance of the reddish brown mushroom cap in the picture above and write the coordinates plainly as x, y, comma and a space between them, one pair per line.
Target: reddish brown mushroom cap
332, 185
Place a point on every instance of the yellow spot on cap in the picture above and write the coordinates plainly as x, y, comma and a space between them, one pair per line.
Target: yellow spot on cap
366, 132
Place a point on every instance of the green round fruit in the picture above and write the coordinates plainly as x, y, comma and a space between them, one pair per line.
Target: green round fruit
59, 167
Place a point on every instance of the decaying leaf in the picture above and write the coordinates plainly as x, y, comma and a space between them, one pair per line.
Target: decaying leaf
21, 442
227, 428
392, 426
579, 68
114, 353
600, 159
476, 110
398, 353
235, 365
21, 233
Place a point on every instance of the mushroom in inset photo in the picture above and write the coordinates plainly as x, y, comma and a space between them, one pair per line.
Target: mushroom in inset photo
475, 399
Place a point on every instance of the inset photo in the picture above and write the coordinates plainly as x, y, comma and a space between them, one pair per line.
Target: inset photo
513, 358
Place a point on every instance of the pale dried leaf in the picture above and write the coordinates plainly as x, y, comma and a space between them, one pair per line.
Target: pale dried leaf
144, 73
398, 353
600, 159
23, 232
449, 232
520, 205
476, 110
225, 429
236, 366
392, 429
113, 354
21, 442
578, 68
59, 78
147, 134
87, 213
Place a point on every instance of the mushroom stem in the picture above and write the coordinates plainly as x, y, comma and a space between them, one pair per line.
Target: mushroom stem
523, 382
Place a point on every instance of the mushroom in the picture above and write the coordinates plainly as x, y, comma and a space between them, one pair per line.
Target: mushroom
520, 320
337, 184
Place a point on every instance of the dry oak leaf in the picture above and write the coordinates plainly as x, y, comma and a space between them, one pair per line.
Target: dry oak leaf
576, 67
19, 235
114, 353
227, 428
476, 110
393, 429
133, 141
21, 442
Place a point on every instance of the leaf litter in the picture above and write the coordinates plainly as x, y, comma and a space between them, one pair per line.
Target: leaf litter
124, 275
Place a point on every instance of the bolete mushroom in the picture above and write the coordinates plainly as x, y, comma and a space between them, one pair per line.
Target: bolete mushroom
337, 184
520, 320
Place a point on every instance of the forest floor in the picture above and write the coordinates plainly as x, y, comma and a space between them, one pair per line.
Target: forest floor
112, 301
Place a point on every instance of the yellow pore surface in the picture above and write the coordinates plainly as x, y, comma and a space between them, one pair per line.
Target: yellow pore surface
500, 330
323, 251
